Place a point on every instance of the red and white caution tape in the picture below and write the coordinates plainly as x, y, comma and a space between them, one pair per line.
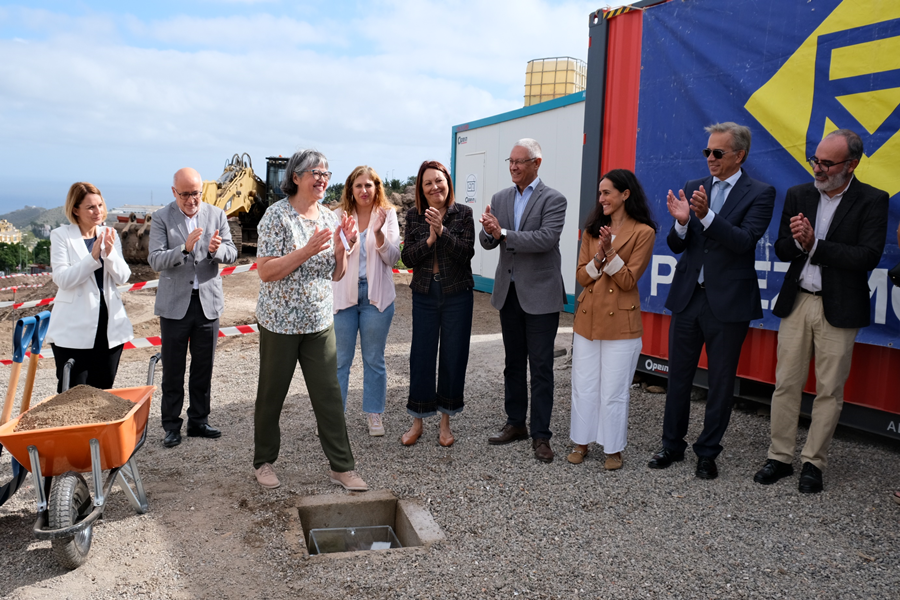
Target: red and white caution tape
25, 275
402, 270
142, 285
155, 340
17, 287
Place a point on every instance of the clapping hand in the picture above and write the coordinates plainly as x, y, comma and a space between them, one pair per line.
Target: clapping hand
348, 228
434, 219
490, 223
379, 215
318, 241
214, 242
605, 241
700, 203
679, 207
803, 232
192, 238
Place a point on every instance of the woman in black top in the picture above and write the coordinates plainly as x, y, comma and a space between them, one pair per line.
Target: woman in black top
439, 245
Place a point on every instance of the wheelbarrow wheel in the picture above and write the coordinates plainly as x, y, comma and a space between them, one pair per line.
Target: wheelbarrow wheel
70, 501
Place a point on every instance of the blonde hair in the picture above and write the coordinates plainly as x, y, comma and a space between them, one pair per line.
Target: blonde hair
76, 196
348, 202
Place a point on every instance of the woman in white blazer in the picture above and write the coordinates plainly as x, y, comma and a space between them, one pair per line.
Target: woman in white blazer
364, 297
88, 320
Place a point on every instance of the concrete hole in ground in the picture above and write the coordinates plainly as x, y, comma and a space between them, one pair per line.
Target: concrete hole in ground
412, 524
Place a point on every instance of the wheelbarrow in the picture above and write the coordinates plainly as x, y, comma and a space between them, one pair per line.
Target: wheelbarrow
59, 455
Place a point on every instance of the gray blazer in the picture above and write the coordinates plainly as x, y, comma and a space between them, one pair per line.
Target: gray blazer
531, 254
176, 271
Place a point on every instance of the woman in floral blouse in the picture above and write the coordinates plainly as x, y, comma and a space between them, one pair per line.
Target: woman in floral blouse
302, 249
439, 245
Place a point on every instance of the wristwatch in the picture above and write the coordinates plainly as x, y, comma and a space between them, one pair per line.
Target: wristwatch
184, 250
502, 235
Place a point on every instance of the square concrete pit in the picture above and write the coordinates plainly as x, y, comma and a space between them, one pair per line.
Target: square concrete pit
413, 524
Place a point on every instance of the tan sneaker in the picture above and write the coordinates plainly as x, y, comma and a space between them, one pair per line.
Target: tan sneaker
376, 426
265, 476
350, 480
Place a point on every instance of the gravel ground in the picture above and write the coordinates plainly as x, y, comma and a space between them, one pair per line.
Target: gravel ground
514, 527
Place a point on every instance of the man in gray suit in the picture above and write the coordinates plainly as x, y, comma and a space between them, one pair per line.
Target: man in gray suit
188, 241
525, 222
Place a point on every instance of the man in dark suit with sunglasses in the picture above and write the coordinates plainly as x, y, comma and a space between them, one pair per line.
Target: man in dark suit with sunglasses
715, 291
832, 233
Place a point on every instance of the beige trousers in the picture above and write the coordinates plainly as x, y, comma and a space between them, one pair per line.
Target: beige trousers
805, 334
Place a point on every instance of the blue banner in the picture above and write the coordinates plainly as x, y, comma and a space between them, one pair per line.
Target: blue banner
792, 71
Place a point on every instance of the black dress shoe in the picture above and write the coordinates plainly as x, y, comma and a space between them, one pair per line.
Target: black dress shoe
204, 431
664, 458
706, 468
172, 439
810, 479
510, 433
772, 471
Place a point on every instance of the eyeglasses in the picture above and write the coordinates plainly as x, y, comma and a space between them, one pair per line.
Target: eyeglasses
825, 164
319, 175
186, 195
717, 153
515, 163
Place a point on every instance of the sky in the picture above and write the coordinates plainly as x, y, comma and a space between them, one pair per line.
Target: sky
122, 94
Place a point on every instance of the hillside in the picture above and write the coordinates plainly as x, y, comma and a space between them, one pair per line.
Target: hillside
23, 217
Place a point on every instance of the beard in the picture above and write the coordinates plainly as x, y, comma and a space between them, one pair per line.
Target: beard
834, 182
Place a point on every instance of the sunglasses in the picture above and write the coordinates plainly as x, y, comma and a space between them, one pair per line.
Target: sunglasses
716, 153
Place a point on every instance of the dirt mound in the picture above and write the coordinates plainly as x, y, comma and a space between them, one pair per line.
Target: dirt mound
82, 405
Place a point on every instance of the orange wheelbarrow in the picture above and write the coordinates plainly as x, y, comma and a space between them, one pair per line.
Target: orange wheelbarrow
57, 457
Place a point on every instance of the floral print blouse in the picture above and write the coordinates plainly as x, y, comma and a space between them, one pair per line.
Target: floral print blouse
302, 301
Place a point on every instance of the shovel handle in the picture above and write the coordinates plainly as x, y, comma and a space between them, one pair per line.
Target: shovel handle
42, 322
11, 392
29, 383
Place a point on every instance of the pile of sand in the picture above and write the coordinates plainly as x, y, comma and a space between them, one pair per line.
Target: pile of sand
81, 405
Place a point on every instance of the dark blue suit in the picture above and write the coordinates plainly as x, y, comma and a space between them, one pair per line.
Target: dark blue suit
718, 314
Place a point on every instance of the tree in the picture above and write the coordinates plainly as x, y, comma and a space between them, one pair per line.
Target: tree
333, 193
411, 180
42, 252
13, 256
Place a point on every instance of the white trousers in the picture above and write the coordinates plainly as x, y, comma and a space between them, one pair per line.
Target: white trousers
602, 372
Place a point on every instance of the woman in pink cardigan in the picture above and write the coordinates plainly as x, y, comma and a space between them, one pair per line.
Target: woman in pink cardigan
364, 298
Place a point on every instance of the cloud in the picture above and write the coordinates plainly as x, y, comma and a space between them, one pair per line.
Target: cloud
129, 100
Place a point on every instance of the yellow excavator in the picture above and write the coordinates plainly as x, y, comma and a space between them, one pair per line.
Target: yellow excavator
238, 191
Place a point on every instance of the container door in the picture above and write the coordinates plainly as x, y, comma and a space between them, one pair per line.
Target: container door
470, 191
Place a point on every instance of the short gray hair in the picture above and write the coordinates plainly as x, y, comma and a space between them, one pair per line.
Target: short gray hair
740, 135
302, 160
854, 142
534, 149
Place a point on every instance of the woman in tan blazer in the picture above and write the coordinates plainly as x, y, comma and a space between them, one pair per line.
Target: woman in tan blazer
616, 246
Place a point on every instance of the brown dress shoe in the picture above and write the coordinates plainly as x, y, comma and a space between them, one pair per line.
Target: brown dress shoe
509, 433
542, 450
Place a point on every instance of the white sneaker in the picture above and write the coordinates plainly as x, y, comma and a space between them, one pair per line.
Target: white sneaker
265, 476
376, 426
350, 480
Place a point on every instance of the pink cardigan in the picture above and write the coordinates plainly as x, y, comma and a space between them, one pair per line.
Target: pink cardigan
379, 262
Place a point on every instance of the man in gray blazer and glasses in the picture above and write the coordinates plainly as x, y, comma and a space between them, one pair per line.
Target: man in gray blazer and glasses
188, 241
524, 222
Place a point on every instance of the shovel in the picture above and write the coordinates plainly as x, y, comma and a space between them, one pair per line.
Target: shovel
21, 338
37, 340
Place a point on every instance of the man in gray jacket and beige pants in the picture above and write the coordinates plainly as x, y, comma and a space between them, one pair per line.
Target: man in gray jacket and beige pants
188, 241
524, 222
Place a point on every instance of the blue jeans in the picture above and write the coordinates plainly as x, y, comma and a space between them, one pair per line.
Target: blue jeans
373, 327
445, 320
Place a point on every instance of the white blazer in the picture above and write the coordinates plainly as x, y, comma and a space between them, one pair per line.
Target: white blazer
76, 310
